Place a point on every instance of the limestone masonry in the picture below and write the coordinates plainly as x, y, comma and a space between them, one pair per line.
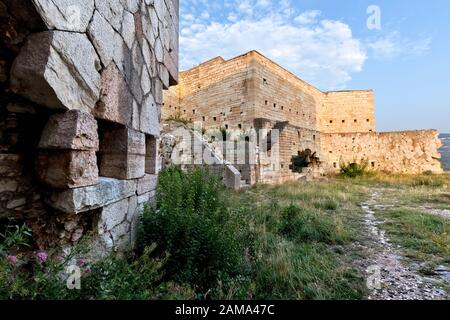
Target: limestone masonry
324, 129
81, 88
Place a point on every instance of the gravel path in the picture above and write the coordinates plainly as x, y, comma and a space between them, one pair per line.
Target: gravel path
398, 281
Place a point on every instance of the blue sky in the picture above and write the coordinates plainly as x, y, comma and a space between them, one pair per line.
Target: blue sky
328, 43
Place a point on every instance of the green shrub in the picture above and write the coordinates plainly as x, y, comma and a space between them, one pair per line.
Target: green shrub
193, 226
115, 277
353, 170
131, 279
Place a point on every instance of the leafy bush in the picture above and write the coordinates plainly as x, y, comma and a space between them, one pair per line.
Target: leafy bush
353, 170
193, 226
131, 279
116, 277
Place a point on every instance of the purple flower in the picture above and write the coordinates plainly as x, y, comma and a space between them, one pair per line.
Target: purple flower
81, 262
12, 259
41, 257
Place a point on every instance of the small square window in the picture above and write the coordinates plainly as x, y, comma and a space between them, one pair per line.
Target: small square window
204, 118
215, 118
331, 121
240, 126
193, 111
226, 126
267, 102
274, 105
356, 121
343, 121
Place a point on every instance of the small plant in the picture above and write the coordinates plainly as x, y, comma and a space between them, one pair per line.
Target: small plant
353, 170
179, 118
14, 237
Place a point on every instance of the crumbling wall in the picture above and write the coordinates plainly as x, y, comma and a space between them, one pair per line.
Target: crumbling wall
275, 158
411, 152
81, 93
347, 111
186, 148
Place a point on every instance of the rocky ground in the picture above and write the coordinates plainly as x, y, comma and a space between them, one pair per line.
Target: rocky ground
400, 280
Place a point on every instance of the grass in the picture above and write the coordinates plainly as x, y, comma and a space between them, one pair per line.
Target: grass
297, 228
290, 241
407, 216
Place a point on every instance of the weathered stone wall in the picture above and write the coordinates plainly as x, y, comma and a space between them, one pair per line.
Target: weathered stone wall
216, 93
281, 96
347, 111
81, 92
181, 146
410, 152
289, 141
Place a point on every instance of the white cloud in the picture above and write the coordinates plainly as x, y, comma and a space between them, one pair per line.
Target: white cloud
322, 52
308, 17
393, 45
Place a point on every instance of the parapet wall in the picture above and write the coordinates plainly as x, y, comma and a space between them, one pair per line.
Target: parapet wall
81, 86
410, 152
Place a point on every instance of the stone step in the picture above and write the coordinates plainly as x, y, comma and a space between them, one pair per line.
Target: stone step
244, 184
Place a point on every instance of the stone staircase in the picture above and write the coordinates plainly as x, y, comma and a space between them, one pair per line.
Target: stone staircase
232, 178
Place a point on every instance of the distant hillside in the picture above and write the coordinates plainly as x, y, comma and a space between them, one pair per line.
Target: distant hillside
445, 151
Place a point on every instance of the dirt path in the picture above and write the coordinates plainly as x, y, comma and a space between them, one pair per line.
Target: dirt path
398, 281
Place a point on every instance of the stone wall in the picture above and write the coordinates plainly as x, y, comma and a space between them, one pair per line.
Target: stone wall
187, 148
275, 164
409, 152
216, 93
347, 111
81, 93
253, 92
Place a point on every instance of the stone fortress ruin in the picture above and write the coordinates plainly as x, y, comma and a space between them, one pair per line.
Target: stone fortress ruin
321, 129
81, 85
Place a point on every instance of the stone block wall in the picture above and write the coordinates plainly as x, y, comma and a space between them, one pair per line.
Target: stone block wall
217, 93
410, 152
347, 111
281, 96
290, 141
252, 92
81, 89
188, 149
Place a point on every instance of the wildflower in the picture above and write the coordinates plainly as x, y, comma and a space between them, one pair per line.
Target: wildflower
41, 257
81, 262
12, 259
